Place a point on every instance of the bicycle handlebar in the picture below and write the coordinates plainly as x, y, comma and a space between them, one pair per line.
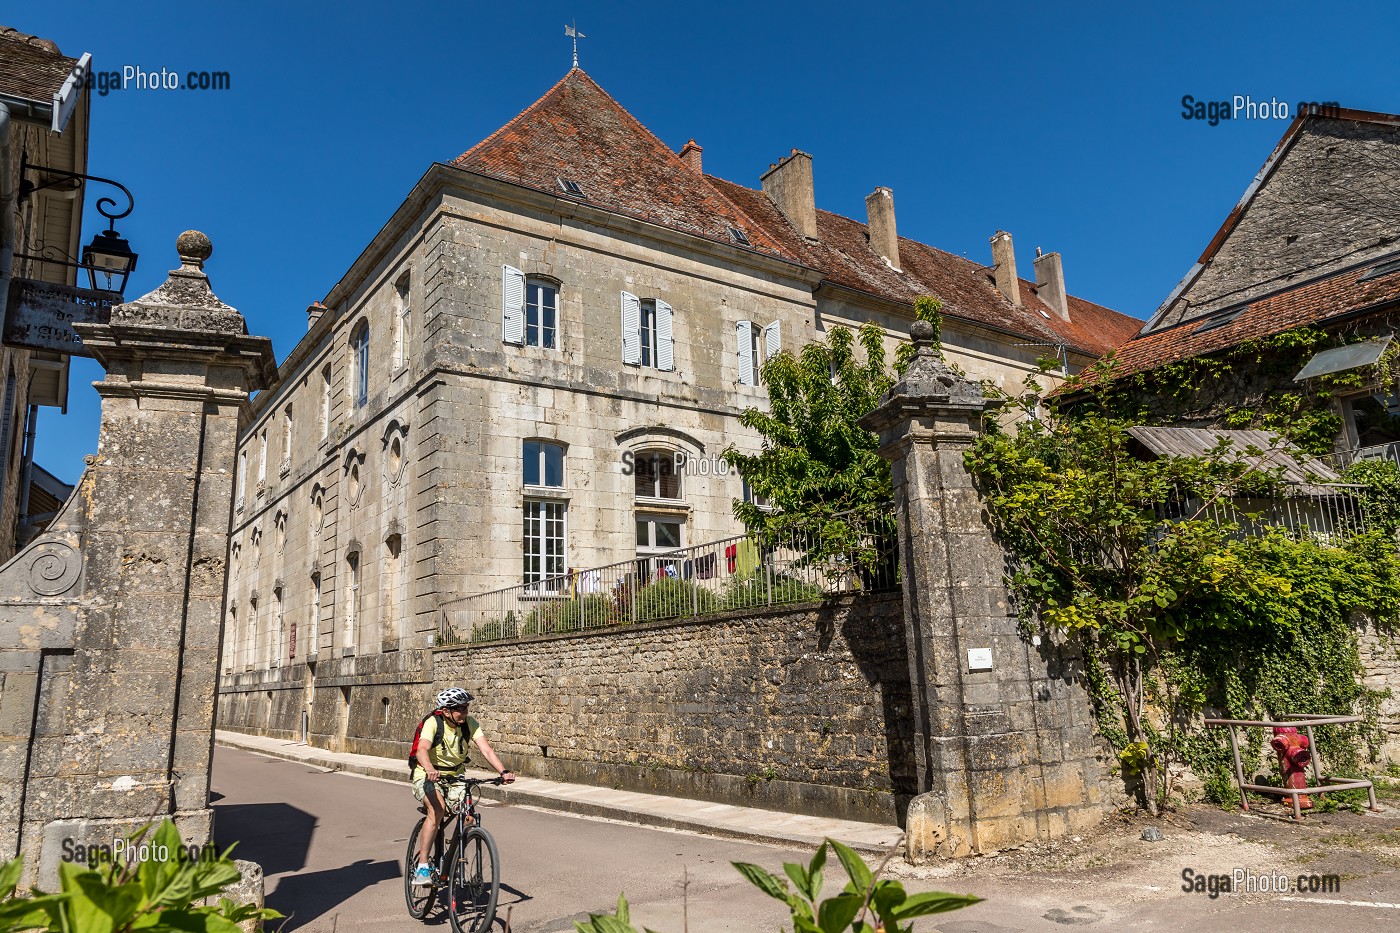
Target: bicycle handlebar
468, 782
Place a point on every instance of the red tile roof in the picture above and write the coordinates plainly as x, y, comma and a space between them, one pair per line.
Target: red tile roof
576, 131
1314, 302
843, 254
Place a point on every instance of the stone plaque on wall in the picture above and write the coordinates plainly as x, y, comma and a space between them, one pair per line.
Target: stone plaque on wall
41, 315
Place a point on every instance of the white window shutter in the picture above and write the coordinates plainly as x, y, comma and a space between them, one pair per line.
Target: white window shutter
665, 345
745, 333
512, 305
772, 340
631, 329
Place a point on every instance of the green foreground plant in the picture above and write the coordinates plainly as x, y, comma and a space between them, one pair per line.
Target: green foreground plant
867, 904
162, 895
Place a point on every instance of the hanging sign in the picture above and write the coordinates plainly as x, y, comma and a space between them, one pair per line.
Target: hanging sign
41, 315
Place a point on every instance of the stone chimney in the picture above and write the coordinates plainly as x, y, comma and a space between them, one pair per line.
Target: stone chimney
789, 185
313, 313
879, 212
1050, 283
1004, 267
690, 155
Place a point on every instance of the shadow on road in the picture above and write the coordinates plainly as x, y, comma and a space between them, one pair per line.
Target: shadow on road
304, 897
275, 835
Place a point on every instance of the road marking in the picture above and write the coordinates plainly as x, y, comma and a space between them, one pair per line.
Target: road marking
1324, 900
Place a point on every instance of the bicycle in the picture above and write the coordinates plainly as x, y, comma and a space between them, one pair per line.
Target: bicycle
467, 866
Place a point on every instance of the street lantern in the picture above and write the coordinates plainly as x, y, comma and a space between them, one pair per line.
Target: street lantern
109, 255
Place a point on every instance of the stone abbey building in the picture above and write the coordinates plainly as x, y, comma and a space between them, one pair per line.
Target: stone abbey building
567, 298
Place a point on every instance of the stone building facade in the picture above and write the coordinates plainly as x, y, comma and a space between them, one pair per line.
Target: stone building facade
494, 391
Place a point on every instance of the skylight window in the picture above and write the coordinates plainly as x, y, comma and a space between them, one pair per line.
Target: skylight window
739, 236
569, 186
1219, 320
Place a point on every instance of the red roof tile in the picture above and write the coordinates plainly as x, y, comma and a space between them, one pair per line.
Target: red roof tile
843, 254
576, 131
1309, 303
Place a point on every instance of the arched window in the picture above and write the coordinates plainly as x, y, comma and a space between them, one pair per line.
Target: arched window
657, 474
359, 359
401, 321
352, 602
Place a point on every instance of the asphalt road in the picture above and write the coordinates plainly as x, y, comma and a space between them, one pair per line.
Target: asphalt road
332, 847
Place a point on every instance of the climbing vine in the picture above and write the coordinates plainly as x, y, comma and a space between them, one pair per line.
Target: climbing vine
1175, 612
1249, 385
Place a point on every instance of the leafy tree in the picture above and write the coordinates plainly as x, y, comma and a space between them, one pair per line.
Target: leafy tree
820, 472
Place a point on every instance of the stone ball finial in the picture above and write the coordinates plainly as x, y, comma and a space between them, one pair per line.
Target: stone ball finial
194, 248
922, 332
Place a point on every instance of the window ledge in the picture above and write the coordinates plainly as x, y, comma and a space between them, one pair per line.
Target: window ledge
669, 506
545, 492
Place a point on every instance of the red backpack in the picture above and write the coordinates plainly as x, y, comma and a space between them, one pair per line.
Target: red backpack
418, 734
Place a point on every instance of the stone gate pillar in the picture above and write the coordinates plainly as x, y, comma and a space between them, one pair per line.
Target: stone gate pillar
1004, 743
110, 620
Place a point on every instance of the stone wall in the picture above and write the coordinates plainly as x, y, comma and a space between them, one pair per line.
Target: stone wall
1380, 657
803, 709
110, 619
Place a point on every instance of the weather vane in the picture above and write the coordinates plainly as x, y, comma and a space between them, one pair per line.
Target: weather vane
572, 32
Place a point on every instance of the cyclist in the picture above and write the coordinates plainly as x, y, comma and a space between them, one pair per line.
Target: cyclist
445, 757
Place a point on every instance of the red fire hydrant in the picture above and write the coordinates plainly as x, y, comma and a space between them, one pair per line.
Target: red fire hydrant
1293, 758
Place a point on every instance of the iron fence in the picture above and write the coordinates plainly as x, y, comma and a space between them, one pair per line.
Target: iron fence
1342, 459
849, 554
1333, 516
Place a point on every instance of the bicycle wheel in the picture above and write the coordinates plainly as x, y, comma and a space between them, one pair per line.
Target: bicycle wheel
420, 899
475, 882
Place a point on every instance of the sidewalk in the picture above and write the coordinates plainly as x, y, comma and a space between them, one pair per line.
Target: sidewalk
697, 816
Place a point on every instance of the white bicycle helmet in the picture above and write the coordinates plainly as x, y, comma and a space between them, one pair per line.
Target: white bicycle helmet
453, 696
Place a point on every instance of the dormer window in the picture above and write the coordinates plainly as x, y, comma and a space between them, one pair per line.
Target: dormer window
739, 236
569, 186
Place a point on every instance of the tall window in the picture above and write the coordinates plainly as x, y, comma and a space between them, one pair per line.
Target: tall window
262, 457
391, 617
287, 435
352, 602
541, 314
279, 629
401, 321
231, 636
359, 355
253, 633
326, 401
544, 541
757, 345
242, 478
313, 627
646, 330
543, 464
656, 475
542, 469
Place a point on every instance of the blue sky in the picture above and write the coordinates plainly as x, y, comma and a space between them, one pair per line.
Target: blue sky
1060, 123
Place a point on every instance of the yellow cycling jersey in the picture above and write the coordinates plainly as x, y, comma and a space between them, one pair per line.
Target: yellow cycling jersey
451, 753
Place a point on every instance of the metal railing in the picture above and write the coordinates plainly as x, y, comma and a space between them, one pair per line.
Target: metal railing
1342, 459
1331, 517
848, 555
